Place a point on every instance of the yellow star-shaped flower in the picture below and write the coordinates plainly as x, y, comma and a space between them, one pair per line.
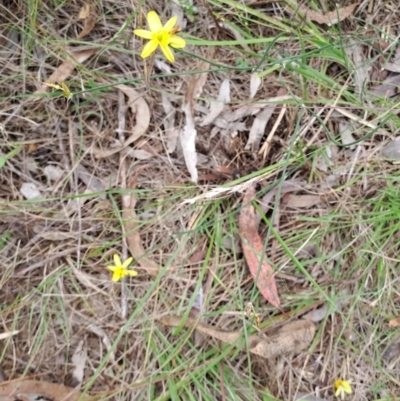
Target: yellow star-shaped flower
342, 387
120, 270
163, 36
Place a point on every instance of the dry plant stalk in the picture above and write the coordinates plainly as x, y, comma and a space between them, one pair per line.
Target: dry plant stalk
296, 336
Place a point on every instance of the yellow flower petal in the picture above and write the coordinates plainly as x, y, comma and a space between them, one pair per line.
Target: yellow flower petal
153, 21
132, 273
117, 260
149, 48
346, 387
167, 53
170, 24
127, 263
116, 276
143, 33
112, 268
177, 42
342, 387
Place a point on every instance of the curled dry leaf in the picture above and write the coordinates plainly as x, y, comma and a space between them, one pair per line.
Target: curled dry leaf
79, 361
188, 141
189, 133
255, 82
171, 132
216, 107
29, 190
394, 322
196, 83
141, 111
361, 67
318, 314
252, 245
92, 183
67, 67
39, 390
330, 18
392, 352
392, 150
346, 130
88, 14
295, 336
131, 224
257, 130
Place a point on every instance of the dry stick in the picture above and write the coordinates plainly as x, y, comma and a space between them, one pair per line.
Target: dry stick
267, 144
122, 171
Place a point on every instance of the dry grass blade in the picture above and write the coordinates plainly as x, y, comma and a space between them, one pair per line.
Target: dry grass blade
132, 234
253, 251
293, 337
67, 67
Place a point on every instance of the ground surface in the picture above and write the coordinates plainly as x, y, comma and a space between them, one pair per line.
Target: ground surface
110, 170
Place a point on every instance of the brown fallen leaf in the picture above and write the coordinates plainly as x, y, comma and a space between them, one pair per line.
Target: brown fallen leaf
394, 322
252, 245
196, 83
331, 18
141, 111
38, 390
295, 336
88, 15
188, 133
64, 70
131, 223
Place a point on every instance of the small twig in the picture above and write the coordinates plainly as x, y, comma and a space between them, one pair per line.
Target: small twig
267, 144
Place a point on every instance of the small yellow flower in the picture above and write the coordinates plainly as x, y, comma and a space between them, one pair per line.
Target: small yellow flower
120, 270
342, 388
163, 36
64, 88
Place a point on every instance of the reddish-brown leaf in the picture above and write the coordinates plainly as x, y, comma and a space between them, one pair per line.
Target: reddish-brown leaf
253, 251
